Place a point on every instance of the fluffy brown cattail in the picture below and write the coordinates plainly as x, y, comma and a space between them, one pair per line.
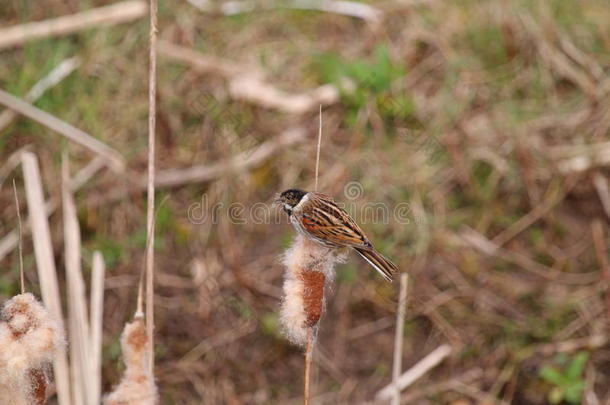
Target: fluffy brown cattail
29, 339
309, 269
138, 385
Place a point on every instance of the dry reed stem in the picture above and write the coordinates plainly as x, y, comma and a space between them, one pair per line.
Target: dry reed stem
341, 7
96, 317
21, 274
77, 304
9, 242
253, 90
140, 298
347, 8
415, 372
114, 158
318, 150
12, 162
143, 275
102, 16
308, 357
45, 263
60, 72
150, 211
398, 337
248, 83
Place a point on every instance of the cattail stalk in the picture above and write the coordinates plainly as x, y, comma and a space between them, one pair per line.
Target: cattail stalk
309, 270
308, 359
398, 338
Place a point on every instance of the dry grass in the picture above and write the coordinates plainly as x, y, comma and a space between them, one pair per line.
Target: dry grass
83, 390
489, 119
96, 319
45, 263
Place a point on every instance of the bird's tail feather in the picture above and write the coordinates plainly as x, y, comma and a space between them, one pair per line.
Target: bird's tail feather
385, 267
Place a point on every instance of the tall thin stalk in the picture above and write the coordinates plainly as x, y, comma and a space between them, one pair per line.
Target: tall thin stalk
308, 356
318, 150
21, 276
310, 336
398, 337
78, 318
45, 263
96, 319
150, 223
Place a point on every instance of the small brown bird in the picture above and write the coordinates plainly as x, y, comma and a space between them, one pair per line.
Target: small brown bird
318, 217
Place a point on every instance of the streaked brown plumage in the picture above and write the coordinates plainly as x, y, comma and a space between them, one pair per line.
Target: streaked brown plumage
318, 217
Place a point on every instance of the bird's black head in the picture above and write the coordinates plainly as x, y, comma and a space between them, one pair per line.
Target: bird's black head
290, 198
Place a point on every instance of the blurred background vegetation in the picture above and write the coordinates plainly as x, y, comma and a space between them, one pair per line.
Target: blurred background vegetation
490, 119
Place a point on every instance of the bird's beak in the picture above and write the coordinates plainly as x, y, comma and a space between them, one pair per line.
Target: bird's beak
276, 200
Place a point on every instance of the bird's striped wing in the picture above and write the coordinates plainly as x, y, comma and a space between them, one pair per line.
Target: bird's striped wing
324, 220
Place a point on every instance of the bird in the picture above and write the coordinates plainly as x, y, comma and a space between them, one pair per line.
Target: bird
317, 216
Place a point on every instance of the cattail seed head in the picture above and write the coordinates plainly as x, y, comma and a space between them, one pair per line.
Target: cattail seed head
29, 339
137, 387
309, 270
